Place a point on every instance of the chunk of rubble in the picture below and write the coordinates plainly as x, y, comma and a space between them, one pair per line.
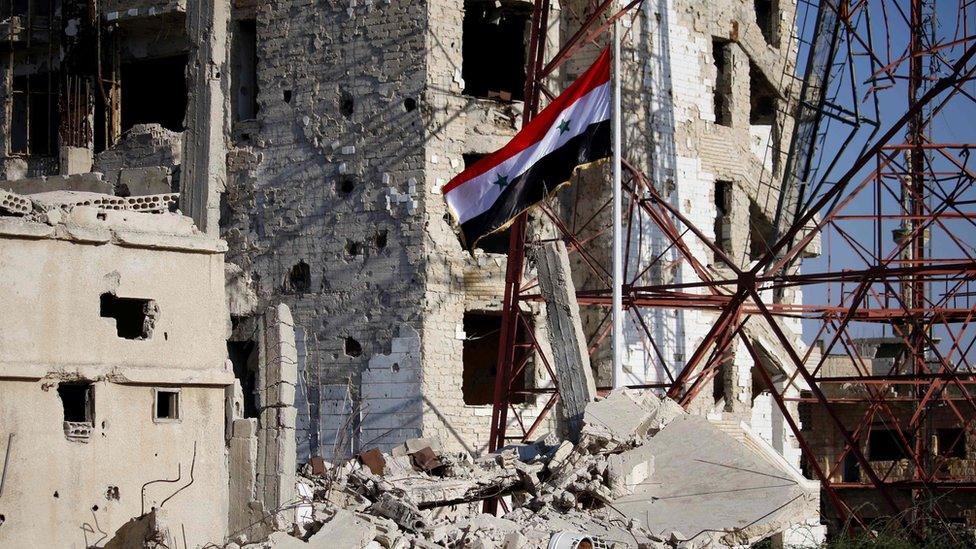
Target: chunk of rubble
712, 485
150, 531
624, 419
345, 529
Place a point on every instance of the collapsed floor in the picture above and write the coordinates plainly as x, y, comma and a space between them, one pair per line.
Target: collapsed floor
643, 474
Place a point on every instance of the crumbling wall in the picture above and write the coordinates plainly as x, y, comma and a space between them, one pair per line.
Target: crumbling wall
277, 379
325, 210
458, 125
263, 449
152, 376
146, 160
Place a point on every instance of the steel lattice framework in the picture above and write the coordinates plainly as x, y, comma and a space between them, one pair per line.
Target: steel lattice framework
871, 175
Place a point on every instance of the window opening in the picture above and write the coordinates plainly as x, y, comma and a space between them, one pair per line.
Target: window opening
167, 406
722, 92
493, 52
134, 317
78, 407
480, 358
244, 77
884, 445
154, 91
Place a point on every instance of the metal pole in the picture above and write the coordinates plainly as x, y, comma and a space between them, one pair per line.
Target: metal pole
618, 260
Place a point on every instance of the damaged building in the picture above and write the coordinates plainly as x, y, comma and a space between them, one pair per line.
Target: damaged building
883, 436
307, 143
113, 371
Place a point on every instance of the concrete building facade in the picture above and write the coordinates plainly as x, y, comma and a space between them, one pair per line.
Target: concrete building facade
113, 375
363, 112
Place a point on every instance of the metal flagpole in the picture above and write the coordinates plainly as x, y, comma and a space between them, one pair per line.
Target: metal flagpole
618, 260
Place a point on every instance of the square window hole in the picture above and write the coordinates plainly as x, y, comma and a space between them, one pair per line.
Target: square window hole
134, 317
167, 406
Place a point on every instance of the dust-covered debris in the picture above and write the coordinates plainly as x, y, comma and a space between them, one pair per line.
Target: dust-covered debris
635, 480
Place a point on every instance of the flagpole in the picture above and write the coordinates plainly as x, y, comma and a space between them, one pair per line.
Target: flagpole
618, 263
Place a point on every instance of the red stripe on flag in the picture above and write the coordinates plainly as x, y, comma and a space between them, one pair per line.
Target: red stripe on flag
597, 75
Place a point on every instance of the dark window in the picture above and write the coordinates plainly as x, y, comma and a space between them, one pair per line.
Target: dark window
480, 357
885, 445
767, 16
493, 52
154, 92
723, 83
718, 385
78, 402
763, 98
133, 316
244, 78
34, 114
244, 356
852, 470
760, 232
952, 442
300, 278
723, 208
470, 159
167, 404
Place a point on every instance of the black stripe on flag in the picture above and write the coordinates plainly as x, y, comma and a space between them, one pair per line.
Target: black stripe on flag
544, 177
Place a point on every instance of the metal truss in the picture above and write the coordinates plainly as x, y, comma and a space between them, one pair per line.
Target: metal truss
872, 176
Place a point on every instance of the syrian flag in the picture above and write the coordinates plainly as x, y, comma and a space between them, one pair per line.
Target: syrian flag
572, 131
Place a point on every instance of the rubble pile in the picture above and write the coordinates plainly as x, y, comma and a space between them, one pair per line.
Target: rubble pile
644, 474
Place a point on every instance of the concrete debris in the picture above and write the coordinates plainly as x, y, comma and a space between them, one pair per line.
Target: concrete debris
624, 419
571, 359
14, 203
149, 531
646, 474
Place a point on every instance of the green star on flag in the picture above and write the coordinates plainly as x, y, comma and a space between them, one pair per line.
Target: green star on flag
501, 181
563, 127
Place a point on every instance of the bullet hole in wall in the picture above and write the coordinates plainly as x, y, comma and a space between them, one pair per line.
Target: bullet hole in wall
94, 508
353, 348
300, 277
56, 494
409, 104
345, 185
380, 239
347, 104
354, 248
286, 95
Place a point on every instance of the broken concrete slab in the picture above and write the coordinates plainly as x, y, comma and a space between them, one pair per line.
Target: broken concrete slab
83, 182
144, 181
706, 481
624, 419
628, 470
571, 358
345, 529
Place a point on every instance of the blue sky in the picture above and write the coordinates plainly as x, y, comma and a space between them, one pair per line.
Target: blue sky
956, 124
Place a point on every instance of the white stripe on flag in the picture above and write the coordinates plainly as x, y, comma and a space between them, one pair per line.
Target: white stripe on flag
475, 196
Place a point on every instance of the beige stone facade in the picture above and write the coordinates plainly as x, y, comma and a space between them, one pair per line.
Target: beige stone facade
112, 376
